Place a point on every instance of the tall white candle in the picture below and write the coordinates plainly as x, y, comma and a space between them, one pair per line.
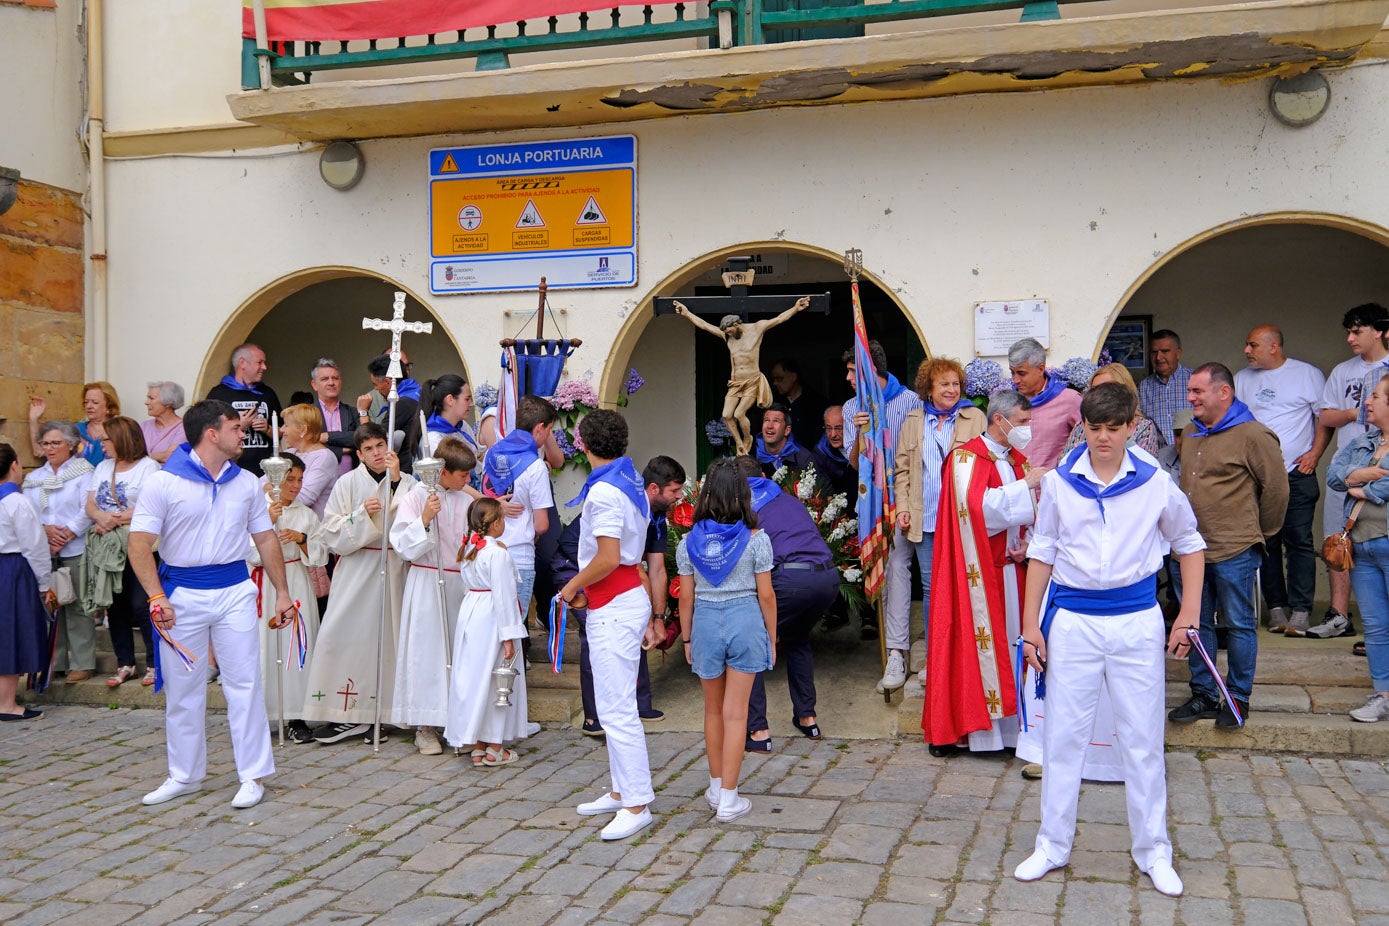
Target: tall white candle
275, 432
424, 435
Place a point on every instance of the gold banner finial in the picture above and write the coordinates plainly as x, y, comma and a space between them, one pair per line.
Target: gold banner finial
853, 263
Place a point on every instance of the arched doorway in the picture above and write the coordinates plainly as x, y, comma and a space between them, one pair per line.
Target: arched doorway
317, 313
687, 371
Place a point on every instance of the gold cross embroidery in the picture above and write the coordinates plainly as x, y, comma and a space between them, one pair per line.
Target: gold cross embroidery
972, 573
963, 512
983, 639
993, 701
961, 456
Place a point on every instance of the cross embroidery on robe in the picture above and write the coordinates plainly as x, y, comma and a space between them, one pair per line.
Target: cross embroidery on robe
318, 696
963, 512
983, 639
347, 692
994, 702
972, 573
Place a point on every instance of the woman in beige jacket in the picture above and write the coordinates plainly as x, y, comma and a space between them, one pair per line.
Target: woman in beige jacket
928, 434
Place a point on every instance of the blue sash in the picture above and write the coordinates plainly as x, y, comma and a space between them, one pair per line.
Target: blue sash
181, 463
763, 491
1238, 413
1054, 387
766, 456
231, 382
829, 451
7, 489
621, 474
714, 548
508, 458
1126, 599
1142, 471
221, 575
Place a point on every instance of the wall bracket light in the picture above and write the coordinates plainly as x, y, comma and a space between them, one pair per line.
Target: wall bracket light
341, 165
9, 188
1299, 101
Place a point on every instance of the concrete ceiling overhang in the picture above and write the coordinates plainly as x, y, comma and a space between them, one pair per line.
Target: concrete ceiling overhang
1234, 42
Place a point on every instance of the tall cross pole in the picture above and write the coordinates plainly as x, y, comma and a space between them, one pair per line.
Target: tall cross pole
396, 326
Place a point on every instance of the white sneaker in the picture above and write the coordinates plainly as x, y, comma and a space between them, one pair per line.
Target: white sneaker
605, 804
1034, 867
1375, 709
1335, 624
734, 808
626, 823
249, 795
169, 790
427, 742
711, 797
895, 676
1165, 879
532, 728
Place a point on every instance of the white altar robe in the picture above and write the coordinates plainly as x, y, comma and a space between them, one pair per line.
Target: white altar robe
293, 680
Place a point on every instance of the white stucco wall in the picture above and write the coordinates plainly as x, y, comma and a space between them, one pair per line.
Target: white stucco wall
1067, 195
41, 71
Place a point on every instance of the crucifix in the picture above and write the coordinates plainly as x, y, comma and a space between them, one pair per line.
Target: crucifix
747, 386
396, 326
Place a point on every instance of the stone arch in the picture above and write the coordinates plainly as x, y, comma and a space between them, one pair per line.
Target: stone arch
259, 305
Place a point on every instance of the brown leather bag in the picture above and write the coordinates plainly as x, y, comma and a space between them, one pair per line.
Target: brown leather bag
1336, 548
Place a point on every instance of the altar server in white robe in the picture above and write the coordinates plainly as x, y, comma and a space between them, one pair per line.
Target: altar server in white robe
342, 680
428, 531
301, 542
488, 632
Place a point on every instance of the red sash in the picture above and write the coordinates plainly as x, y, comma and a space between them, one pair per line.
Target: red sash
621, 579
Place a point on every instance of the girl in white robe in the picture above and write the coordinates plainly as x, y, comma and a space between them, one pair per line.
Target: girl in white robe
301, 542
428, 531
489, 625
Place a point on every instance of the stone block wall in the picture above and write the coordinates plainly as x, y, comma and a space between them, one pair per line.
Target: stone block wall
41, 308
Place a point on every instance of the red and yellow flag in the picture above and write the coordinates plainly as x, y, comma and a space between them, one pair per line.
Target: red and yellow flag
317, 20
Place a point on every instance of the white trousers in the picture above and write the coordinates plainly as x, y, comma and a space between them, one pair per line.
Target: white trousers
1084, 652
227, 618
615, 633
897, 593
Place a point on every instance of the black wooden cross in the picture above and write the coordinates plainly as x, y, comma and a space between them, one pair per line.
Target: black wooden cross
738, 302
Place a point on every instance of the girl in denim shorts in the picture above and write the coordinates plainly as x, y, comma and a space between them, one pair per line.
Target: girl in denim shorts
727, 621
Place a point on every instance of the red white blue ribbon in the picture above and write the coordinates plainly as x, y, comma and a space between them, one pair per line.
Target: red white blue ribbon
556, 646
185, 657
1195, 637
301, 635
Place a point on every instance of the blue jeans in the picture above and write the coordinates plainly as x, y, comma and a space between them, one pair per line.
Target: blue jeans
1295, 542
1230, 586
1369, 577
802, 597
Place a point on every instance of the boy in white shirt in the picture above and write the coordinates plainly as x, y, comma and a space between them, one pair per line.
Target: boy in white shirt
1106, 517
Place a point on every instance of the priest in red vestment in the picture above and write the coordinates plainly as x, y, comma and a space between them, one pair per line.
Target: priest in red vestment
976, 597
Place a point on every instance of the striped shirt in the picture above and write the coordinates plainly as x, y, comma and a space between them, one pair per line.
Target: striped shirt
936, 437
894, 414
1160, 401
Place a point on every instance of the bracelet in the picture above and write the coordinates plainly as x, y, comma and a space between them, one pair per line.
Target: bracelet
154, 599
683, 640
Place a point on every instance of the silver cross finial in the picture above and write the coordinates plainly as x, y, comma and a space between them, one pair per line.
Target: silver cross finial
397, 326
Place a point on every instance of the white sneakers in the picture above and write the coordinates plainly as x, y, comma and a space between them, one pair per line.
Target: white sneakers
605, 804
427, 742
895, 676
1374, 709
249, 795
532, 728
1035, 866
1165, 879
732, 805
625, 823
169, 790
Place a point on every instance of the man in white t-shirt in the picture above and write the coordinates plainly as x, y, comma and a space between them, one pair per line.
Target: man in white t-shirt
1285, 396
1340, 407
516, 466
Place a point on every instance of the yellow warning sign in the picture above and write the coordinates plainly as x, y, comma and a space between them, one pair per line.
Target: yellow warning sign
511, 213
450, 166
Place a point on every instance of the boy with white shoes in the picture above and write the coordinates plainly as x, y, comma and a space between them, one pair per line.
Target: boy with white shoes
1106, 517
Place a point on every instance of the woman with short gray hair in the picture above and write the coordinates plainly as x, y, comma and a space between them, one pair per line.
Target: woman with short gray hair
58, 490
164, 430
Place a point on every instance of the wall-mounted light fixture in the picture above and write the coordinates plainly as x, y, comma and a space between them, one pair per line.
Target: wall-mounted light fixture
341, 165
9, 188
1301, 100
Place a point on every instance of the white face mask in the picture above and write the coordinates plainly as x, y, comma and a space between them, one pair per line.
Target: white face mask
1020, 436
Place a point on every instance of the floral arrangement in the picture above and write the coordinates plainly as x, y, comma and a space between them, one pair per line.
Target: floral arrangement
717, 433
485, 396
575, 398
982, 379
1077, 372
833, 515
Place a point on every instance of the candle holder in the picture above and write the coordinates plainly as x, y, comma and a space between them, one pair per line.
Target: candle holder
276, 468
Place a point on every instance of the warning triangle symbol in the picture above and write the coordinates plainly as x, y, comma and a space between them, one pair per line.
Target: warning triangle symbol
450, 166
530, 217
591, 214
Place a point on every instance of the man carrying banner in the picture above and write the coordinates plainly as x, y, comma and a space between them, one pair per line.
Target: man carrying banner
976, 592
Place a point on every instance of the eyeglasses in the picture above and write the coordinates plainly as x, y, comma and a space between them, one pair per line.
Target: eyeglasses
52, 443
834, 428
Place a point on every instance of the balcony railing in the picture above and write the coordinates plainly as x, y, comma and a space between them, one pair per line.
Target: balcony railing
727, 24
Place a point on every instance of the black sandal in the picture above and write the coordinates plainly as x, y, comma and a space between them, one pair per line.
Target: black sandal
810, 730
753, 745
1358, 649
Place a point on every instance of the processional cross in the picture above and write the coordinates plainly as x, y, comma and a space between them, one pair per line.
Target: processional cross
746, 384
396, 326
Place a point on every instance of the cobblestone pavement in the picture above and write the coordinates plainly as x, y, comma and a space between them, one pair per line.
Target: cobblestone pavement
842, 832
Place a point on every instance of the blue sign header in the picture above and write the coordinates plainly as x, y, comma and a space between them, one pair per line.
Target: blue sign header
534, 157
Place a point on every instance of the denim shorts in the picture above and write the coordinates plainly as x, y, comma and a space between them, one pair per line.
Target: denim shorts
729, 634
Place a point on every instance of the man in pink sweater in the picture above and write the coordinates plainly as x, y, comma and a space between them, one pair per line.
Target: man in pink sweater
1055, 407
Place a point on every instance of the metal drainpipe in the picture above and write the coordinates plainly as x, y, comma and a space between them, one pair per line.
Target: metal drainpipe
96, 169
262, 44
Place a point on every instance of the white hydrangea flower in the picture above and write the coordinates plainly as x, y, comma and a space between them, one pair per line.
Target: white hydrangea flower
779, 474
852, 574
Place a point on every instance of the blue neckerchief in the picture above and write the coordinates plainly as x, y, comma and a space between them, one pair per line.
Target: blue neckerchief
7, 489
826, 449
950, 412
1126, 599
507, 459
893, 389
182, 464
231, 382
766, 456
408, 389
1238, 413
1054, 387
714, 548
1142, 471
621, 474
441, 425
92, 452
763, 491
